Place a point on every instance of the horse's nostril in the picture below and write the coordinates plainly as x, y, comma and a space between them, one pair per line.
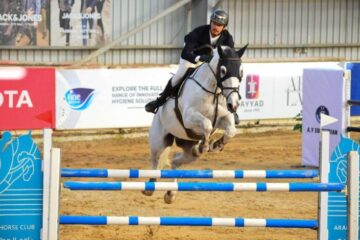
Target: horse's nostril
230, 107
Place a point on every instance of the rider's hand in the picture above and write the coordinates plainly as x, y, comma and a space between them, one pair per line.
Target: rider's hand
205, 58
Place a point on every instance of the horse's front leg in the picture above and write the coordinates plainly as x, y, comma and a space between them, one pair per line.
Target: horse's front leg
226, 123
199, 123
160, 141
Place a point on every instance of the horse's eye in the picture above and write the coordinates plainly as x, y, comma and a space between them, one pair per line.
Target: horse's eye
241, 72
223, 71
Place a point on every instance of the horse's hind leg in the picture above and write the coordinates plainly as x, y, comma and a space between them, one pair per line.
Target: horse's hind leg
186, 156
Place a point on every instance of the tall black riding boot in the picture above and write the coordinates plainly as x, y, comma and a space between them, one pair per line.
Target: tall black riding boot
153, 106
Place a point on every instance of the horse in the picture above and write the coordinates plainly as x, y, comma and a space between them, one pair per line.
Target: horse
205, 102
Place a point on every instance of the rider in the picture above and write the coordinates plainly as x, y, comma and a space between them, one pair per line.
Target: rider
213, 34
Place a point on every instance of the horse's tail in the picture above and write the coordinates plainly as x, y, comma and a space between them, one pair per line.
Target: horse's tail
164, 159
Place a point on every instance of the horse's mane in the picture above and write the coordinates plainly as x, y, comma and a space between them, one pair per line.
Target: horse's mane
229, 52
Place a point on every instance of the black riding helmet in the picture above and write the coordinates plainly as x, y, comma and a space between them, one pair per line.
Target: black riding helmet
220, 16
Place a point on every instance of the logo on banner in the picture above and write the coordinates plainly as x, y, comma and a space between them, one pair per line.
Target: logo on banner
79, 98
252, 103
252, 86
321, 110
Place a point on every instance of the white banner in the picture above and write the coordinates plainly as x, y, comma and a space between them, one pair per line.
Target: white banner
272, 90
269, 97
104, 98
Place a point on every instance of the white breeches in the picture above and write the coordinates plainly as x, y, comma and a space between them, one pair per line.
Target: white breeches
184, 65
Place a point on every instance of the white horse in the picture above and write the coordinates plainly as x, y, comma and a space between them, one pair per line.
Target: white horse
205, 102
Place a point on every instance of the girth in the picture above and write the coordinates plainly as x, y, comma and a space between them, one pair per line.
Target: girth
190, 133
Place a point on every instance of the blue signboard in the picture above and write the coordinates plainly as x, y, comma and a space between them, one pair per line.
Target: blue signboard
355, 86
21, 188
337, 202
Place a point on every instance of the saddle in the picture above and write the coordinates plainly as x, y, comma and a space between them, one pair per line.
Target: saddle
176, 89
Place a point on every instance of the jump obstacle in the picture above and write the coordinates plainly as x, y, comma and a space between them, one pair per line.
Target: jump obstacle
52, 218
352, 103
320, 224
235, 174
188, 221
208, 186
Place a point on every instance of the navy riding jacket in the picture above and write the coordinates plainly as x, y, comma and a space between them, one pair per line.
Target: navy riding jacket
201, 36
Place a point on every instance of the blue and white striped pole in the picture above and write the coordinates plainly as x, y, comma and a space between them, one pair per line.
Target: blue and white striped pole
135, 173
205, 186
188, 221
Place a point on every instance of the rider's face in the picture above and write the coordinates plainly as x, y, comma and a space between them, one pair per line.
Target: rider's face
216, 28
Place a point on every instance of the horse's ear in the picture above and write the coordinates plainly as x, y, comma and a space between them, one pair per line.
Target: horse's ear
220, 51
242, 50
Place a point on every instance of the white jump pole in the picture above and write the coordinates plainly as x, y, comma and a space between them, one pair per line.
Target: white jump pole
54, 197
353, 196
47, 142
324, 178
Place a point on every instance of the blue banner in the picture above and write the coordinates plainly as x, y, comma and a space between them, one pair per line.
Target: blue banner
355, 86
21, 188
337, 201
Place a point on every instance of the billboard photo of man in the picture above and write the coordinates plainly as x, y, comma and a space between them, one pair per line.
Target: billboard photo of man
80, 22
24, 23
65, 7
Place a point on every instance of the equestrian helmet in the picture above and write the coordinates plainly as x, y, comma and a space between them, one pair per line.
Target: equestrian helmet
220, 17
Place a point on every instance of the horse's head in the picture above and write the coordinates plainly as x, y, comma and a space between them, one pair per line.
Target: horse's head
228, 74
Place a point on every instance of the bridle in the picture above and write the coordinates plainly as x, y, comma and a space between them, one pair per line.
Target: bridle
219, 80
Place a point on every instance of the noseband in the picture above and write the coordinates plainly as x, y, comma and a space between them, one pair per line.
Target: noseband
220, 80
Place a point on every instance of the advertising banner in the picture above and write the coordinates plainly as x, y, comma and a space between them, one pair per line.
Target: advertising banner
323, 91
272, 90
27, 98
269, 91
21, 188
24, 23
105, 98
80, 22
355, 86
337, 209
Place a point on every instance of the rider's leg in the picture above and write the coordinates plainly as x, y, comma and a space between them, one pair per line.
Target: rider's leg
168, 91
154, 105
184, 65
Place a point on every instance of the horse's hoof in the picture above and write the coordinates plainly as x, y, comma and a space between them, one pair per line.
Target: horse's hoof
213, 146
169, 197
204, 148
148, 193
216, 146
195, 151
